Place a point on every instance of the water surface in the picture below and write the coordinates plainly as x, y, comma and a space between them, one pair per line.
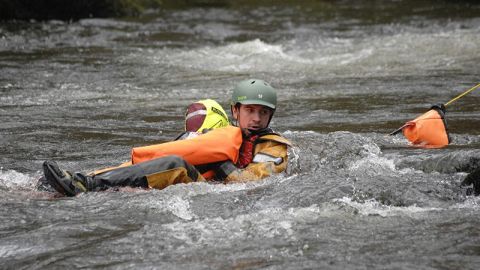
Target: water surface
83, 93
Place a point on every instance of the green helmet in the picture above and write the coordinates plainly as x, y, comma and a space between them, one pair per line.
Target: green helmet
254, 91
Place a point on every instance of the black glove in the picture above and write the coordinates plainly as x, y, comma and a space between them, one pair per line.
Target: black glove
472, 178
224, 170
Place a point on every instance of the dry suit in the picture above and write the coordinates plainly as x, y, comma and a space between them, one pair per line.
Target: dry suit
222, 154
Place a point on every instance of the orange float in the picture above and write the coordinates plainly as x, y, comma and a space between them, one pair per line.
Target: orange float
429, 129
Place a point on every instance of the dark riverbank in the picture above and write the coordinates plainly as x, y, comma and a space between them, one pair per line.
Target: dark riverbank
374, 11
72, 10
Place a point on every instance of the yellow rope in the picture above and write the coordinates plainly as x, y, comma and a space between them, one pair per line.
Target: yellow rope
446, 104
463, 94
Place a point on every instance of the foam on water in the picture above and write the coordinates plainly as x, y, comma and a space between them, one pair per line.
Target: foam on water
282, 223
177, 205
409, 51
178, 199
11, 180
372, 208
270, 223
194, 189
470, 203
373, 163
254, 55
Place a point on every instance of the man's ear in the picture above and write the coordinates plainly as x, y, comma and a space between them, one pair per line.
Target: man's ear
234, 110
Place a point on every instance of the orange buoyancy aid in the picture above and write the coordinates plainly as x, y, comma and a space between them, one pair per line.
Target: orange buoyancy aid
219, 144
429, 129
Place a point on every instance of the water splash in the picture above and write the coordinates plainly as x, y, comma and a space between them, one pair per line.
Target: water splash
372, 207
11, 180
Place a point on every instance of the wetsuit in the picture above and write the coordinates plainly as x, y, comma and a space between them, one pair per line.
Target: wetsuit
222, 155
262, 154
268, 156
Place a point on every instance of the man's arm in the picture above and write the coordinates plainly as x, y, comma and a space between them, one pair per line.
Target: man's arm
270, 157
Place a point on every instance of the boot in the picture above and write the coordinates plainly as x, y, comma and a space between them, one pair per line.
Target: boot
63, 181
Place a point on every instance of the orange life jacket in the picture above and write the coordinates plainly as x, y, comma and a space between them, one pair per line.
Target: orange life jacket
429, 129
217, 145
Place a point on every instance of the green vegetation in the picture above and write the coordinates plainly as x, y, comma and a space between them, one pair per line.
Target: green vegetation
374, 11
77, 9
73, 9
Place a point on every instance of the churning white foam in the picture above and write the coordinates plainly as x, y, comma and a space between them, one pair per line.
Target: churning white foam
11, 179
372, 162
374, 208
409, 51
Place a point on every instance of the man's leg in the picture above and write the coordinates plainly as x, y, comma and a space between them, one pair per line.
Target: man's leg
157, 173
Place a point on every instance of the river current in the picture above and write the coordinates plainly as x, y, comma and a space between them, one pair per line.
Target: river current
84, 93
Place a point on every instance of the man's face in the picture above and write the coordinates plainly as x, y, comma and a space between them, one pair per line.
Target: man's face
251, 117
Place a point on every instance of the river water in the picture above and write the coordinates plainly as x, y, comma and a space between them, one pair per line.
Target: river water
83, 93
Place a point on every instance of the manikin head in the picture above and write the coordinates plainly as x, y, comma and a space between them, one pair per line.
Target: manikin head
204, 115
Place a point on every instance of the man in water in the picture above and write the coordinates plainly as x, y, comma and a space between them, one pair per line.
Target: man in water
250, 150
